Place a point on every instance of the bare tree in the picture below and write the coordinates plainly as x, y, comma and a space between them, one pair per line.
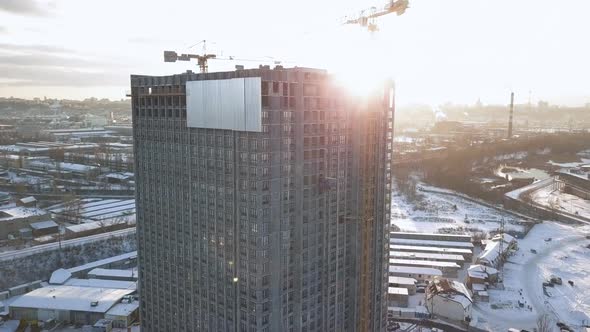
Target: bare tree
544, 324
72, 208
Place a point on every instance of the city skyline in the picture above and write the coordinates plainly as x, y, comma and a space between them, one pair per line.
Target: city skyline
437, 52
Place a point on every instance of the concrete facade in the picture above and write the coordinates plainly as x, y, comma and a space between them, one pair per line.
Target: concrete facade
279, 230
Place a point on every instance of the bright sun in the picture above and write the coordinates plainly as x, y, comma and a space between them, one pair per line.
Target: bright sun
358, 60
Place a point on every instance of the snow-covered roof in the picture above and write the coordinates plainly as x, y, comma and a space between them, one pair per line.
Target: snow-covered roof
464, 237
410, 262
43, 224
21, 212
506, 237
482, 269
115, 273
432, 243
422, 255
120, 176
123, 309
28, 199
449, 289
59, 276
10, 325
101, 283
71, 298
103, 262
88, 226
492, 249
401, 280
96, 210
414, 270
456, 251
397, 291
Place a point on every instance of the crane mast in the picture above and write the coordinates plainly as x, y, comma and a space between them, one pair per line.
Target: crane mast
367, 17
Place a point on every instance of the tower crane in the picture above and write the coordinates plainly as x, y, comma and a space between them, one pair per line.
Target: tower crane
367, 17
203, 59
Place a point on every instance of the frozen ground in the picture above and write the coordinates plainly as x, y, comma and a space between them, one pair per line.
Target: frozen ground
556, 199
560, 250
432, 212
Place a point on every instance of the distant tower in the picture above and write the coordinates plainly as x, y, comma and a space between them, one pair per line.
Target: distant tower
511, 115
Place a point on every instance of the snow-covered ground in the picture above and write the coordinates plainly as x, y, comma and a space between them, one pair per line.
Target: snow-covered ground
559, 200
560, 250
434, 212
571, 164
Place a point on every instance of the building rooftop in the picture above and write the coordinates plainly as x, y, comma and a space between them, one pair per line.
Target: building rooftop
397, 291
59, 276
432, 243
427, 256
410, 262
415, 270
123, 309
450, 289
103, 262
401, 280
44, 224
456, 236
84, 299
457, 251
101, 283
20, 212
28, 199
115, 273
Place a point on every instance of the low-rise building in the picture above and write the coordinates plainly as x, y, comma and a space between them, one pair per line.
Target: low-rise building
46, 227
82, 305
12, 220
402, 282
397, 297
123, 314
481, 274
421, 274
449, 299
28, 201
449, 269
497, 249
114, 274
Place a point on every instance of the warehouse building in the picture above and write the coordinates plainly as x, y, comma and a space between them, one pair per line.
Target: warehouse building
82, 305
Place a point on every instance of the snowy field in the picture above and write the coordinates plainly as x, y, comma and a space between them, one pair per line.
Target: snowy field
433, 212
556, 199
561, 251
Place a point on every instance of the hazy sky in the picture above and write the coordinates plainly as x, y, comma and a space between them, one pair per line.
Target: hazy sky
438, 51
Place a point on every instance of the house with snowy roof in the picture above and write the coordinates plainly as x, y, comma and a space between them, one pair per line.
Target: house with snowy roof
449, 299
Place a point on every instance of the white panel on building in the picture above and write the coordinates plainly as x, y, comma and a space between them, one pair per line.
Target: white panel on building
231, 104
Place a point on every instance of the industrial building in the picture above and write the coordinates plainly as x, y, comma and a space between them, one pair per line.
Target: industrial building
89, 210
449, 299
268, 192
83, 305
13, 219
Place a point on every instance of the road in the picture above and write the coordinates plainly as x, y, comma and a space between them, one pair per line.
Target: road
66, 243
531, 280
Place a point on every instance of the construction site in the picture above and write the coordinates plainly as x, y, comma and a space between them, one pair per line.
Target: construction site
264, 177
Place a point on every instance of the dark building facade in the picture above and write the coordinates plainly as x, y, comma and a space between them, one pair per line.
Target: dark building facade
263, 201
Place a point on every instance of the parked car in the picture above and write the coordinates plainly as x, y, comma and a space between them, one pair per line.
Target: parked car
555, 280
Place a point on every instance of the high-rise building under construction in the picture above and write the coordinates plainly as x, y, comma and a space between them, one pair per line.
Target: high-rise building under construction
263, 201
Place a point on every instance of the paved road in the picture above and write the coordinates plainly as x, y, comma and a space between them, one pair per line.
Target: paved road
66, 243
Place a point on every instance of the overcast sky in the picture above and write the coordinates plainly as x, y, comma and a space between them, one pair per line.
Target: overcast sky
438, 51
